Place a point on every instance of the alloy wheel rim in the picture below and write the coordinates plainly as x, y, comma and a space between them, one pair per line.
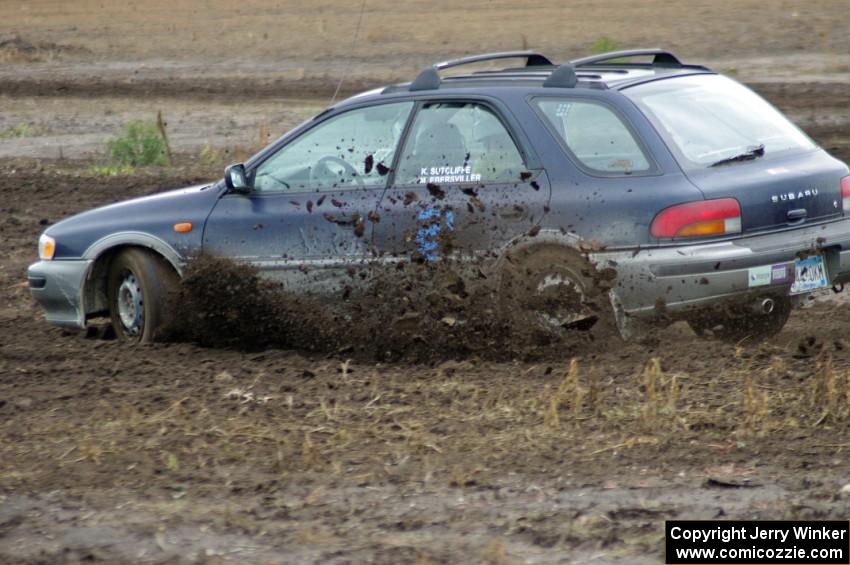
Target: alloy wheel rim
552, 288
130, 305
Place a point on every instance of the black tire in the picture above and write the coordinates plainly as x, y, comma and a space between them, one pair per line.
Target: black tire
146, 285
740, 325
552, 289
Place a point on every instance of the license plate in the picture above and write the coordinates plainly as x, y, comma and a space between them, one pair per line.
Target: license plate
810, 274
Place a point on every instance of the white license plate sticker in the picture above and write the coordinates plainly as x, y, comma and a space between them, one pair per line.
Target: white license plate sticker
810, 274
758, 276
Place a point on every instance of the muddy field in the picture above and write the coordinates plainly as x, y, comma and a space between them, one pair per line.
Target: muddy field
575, 452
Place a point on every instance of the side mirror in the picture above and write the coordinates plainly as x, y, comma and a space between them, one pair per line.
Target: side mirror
235, 179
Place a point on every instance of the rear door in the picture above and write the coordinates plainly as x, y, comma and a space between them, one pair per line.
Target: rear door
462, 186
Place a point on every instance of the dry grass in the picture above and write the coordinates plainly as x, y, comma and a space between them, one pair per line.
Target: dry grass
452, 425
661, 395
830, 390
311, 430
390, 31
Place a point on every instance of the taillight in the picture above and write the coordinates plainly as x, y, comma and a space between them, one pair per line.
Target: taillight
698, 219
845, 194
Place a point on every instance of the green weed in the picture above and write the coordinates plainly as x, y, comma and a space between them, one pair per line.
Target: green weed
21, 130
141, 145
604, 44
111, 170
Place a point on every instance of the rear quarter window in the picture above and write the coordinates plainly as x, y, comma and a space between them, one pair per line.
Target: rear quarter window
594, 135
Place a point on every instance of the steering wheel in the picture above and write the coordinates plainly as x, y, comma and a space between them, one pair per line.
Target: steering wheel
321, 169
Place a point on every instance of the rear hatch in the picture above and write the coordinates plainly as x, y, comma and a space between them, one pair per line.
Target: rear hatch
731, 143
777, 192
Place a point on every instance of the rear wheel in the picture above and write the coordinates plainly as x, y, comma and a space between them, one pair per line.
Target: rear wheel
552, 290
140, 287
740, 324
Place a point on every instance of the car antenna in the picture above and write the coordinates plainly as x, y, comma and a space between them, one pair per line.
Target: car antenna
350, 51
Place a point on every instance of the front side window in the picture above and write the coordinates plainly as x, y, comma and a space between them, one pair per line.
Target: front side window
350, 151
595, 135
458, 142
706, 119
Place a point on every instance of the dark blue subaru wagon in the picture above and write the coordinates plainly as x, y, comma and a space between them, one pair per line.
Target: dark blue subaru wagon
664, 189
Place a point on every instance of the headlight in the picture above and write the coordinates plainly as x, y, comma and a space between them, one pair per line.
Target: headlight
46, 247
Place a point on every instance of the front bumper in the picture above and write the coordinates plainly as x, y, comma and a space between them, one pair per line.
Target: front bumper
58, 286
670, 282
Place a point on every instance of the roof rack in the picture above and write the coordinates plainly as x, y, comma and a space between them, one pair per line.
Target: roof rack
661, 57
532, 59
429, 78
538, 65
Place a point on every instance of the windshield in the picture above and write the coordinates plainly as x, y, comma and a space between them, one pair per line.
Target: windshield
710, 119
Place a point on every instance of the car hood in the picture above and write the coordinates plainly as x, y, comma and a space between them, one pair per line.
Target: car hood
153, 215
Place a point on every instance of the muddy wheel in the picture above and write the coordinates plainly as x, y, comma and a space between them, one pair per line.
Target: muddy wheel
551, 290
741, 325
140, 285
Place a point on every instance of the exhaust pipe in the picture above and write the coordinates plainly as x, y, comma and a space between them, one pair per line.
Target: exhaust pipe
765, 306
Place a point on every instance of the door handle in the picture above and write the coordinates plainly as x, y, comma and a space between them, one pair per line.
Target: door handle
796, 215
512, 213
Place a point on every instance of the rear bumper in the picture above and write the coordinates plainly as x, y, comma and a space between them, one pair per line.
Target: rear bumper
670, 282
58, 287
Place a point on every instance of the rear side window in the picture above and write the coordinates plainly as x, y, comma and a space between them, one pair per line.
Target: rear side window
458, 142
595, 135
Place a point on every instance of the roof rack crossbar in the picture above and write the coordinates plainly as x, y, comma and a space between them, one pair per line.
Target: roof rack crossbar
429, 78
661, 57
532, 59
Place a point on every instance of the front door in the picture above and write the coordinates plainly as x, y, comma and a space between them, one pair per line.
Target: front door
308, 219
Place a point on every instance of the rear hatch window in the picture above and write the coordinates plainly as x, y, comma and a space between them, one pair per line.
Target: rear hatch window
732, 143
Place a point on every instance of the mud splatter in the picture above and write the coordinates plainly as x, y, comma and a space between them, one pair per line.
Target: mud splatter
412, 311
410, 198
435, 191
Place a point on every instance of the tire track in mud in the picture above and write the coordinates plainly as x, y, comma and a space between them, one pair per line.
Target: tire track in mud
240, 89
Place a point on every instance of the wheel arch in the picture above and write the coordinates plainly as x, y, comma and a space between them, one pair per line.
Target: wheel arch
101, 255
582, 251
545, 239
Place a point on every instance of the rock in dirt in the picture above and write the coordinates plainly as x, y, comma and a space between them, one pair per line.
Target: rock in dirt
224, 377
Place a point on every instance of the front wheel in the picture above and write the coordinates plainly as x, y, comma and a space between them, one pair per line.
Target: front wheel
738, 325
140, 286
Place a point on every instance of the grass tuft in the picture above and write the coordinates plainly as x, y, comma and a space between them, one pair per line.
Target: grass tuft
21, 130
604, 44
661, 395
140, 145
830, 389
755, 405
111, 170
570, 394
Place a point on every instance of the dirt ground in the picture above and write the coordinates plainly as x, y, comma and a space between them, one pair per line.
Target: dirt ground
175, 453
